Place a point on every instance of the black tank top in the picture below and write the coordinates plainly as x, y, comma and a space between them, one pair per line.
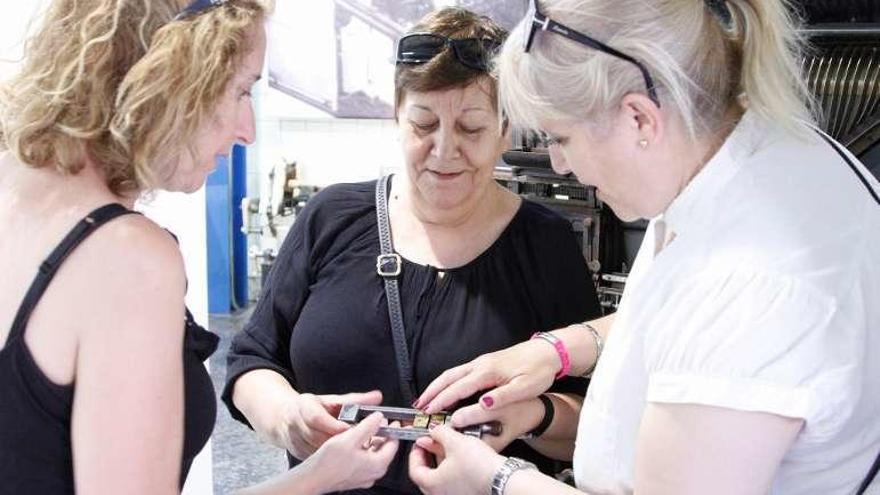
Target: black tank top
35, 448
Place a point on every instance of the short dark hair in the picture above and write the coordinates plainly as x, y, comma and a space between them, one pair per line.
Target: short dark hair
445, 71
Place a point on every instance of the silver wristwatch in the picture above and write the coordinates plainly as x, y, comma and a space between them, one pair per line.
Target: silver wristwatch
502, 476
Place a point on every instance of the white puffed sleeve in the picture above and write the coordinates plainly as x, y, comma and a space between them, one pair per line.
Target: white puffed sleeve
755, 342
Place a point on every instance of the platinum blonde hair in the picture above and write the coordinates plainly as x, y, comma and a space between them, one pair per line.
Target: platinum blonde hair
700, 67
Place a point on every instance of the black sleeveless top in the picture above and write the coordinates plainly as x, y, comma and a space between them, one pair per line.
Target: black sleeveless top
35, 448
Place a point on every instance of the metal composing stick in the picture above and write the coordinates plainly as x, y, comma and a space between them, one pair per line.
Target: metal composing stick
414, 423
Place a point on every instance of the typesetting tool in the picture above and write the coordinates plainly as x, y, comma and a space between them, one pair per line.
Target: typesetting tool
413, 423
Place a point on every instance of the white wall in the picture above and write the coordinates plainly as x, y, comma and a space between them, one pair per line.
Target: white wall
14, 24
328, 150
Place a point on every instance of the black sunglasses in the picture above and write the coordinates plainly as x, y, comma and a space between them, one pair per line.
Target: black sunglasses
198, 6
543, 23
419, 48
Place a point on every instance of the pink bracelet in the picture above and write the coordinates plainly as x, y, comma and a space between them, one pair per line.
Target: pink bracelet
560, 350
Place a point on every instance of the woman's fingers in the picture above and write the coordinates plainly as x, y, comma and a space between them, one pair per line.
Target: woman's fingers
440, 383
386, 450
445, 437
333, 403
474, 414
316, 417
462, 469
376, 443
363, 436
318, 413
520, 372
371, 398
479, 378
518, 389
420, 467
363, 432
315, 439
428, 443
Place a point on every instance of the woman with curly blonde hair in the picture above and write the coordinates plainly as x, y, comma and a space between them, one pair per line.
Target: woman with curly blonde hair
101, 370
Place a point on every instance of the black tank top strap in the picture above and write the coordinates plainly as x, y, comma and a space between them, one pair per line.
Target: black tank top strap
50, 266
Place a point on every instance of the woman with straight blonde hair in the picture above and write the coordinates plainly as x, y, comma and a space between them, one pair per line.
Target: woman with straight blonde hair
101, 376
744, 357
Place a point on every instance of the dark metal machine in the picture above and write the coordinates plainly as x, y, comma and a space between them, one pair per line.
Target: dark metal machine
844, 71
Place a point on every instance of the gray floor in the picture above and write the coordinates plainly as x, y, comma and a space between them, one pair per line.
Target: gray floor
240, 459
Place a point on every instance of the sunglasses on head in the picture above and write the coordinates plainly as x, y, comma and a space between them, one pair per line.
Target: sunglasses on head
419, 48
198, 6
540, 22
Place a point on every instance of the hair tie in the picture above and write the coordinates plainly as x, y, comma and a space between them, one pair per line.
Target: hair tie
721, 10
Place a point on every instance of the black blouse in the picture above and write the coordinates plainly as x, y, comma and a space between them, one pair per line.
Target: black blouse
322, 321
35, 448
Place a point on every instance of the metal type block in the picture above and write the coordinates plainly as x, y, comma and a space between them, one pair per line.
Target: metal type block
413, 423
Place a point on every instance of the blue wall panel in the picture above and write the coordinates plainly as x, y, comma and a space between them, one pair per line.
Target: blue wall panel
218, 225
239, 238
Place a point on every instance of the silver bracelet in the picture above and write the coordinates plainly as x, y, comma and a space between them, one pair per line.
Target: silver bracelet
502, 476
599, 345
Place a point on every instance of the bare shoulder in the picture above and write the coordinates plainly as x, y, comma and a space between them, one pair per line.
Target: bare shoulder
129, 400
134, 245
133, 273
121, 291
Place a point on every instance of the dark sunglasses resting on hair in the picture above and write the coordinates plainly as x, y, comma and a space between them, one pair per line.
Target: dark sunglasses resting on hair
420, 48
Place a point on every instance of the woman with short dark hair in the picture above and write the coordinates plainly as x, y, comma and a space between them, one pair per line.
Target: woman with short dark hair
478, 269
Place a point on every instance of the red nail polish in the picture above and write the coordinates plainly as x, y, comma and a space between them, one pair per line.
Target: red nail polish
488, 402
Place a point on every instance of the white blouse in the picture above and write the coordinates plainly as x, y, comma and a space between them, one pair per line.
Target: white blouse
766, 299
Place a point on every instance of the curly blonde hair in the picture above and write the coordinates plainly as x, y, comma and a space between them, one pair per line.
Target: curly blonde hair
123, 83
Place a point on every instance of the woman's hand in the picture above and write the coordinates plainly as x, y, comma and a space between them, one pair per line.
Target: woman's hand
467, 465
351, 460
354, 459
309, 421
516, 420
519, 372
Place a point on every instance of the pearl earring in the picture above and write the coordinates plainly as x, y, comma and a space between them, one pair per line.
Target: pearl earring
643, 143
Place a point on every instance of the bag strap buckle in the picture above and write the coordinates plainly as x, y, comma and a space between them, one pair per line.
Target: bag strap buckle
388, 265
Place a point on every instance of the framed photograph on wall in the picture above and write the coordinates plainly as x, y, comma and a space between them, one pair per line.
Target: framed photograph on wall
338, 55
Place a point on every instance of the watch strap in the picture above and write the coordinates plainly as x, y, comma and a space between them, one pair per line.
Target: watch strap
502, 476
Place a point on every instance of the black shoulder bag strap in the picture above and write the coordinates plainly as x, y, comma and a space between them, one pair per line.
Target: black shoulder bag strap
838, 148
388, 265
872, 473
868, 479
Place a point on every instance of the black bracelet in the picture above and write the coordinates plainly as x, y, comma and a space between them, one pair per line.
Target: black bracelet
546, 421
